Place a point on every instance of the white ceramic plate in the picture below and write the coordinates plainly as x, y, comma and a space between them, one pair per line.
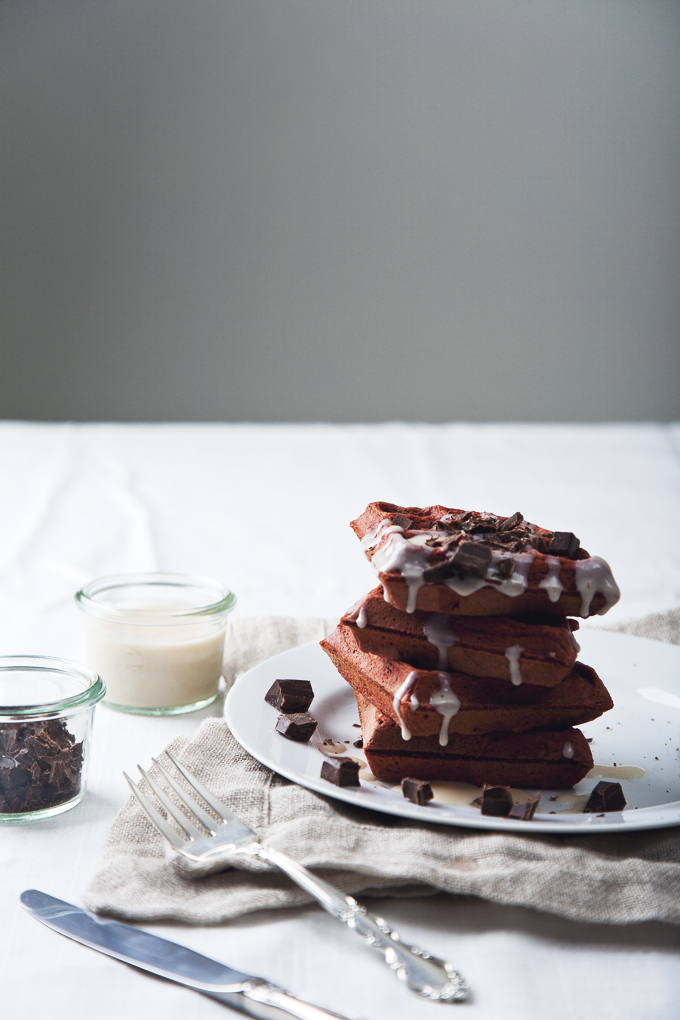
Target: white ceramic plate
642, 730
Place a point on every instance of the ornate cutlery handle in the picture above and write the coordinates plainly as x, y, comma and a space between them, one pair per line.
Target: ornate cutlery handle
269, 1002
425, 974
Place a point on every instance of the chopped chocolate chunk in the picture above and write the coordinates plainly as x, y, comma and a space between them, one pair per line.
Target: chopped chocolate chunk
401, 521
605, 797
496, 800
359, 742
290, 695
511, 522
508, 537
40, 766
340, 771
541, 544
505, 567
297, 726
439, 572
564, 543
525, 812
472, 559
481, 527
417, 790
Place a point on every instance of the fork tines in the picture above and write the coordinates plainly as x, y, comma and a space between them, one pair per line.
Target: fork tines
186, 800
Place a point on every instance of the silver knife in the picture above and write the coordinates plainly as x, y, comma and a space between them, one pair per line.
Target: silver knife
244, 992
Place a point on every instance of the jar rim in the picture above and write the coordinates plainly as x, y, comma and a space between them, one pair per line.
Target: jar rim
87, 598
92, 693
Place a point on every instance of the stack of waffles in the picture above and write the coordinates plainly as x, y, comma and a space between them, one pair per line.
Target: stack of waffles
463, 660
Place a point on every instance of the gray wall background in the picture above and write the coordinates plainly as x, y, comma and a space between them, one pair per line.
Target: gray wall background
298, 210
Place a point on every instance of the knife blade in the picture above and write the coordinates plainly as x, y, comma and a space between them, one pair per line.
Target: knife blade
252, 995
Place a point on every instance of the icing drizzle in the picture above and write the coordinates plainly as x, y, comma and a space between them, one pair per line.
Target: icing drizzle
512, 654
408, 556
592, 576
551, 582
437, 632
396, 701
447, 704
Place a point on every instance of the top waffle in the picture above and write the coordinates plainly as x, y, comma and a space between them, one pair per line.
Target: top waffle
443, 560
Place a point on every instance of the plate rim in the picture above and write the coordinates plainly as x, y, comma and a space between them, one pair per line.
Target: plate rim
441, 814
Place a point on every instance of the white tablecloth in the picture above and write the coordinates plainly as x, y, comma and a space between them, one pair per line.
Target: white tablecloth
266, 509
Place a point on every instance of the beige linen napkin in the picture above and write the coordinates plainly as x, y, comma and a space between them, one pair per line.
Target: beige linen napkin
619, 878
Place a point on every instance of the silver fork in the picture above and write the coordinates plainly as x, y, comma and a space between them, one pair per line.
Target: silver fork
425, 974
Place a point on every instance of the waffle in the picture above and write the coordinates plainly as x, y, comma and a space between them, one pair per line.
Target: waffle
443, 560
531, 648
487, 704
544, 759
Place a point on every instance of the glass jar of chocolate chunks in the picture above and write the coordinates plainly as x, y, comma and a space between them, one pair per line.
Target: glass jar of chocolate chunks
46, 710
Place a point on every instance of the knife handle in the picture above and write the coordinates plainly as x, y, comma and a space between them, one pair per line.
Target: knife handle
268, 1002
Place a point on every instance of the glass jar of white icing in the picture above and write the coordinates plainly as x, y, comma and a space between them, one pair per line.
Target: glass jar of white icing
157, 640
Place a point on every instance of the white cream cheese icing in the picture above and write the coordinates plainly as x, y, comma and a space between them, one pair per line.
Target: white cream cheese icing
396, 701
447, 704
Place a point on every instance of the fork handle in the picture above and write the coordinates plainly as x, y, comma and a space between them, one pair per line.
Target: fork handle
425, 974
265, 1001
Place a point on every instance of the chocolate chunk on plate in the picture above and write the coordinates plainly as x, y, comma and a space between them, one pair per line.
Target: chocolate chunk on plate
290, 695
497, 800
417, 790
297, 726
525, 812
605, 797
564, 543
340, 771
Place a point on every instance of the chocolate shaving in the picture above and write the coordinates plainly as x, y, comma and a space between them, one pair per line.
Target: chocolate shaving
505, 567
511, 522
40, 766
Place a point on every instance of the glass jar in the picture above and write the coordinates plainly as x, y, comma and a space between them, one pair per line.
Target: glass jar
46, 709
156, 639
